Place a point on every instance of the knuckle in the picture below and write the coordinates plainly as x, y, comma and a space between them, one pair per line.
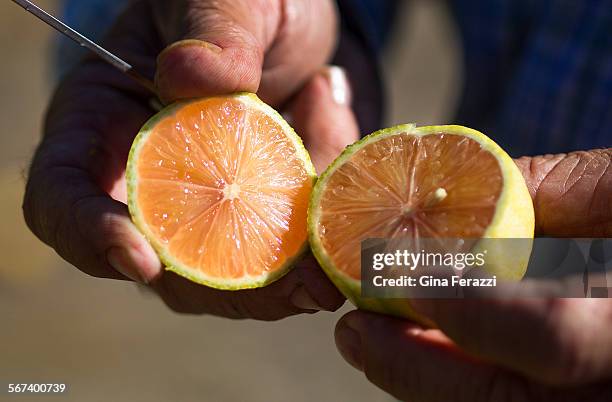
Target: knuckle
92, 214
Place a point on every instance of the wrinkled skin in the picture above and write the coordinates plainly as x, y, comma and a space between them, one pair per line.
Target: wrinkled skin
534, 349
483, 350
76, 192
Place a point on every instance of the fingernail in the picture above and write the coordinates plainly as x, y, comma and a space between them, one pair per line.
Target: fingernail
348, 342
302, 300
338, 82
124, 262
192, 43
169, 58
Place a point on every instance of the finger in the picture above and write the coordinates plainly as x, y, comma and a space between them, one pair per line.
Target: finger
221, 46
422, 365
322, 116
306, 40
571, 192
305, 289
566, 337
79, 167
556, 341
410, 363
68, 211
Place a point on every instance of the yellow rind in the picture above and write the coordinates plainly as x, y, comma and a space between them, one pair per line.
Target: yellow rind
513, 218
167, 259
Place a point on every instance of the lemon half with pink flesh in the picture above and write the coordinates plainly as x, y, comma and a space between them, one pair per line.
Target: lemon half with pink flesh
408, 181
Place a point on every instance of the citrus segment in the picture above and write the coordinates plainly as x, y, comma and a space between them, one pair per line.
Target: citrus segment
220, 187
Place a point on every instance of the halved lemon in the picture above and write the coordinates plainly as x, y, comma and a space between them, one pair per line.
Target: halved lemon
429, 182
220, 187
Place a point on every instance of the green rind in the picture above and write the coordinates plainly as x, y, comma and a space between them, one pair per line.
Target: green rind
171, 264
504, 225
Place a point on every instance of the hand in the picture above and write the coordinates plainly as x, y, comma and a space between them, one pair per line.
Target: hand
505, 350
76, 191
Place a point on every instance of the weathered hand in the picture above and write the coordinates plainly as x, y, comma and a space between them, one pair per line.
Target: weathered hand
505, 350
76, 191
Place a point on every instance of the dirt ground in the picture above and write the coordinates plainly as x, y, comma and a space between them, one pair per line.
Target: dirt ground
111, 341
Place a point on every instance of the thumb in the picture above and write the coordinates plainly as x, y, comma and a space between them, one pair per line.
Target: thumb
322, 115
220, 46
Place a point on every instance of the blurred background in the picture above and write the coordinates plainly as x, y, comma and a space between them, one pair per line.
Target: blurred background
108, 340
